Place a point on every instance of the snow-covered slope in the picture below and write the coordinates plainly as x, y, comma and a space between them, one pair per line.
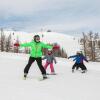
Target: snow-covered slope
68, 43
63, 86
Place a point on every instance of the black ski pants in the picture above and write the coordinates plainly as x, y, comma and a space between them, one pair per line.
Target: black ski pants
79, 65
39, 63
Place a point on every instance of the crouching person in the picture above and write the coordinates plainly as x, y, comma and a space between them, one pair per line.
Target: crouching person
79, 58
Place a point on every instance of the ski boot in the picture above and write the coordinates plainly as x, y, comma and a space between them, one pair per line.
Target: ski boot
83, 71
44, 76
53, 73
25, 76
72, 70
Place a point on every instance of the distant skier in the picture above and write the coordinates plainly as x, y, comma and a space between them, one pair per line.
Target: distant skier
49, 61
79, 58
35, 54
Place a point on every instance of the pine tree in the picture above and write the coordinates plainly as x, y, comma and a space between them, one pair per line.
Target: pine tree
2, 42
8, 43
91, 45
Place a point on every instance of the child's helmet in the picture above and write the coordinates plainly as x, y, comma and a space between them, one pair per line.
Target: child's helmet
49, 51
78, 52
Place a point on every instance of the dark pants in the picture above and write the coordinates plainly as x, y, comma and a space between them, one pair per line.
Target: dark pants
39, 62
79, 65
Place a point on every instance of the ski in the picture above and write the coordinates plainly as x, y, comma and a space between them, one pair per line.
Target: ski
38, 78
51, 74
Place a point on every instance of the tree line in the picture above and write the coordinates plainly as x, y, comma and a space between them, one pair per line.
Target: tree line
90, 45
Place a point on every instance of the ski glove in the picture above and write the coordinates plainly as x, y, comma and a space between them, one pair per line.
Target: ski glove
68, 57
55, 62
17, 44
57, 47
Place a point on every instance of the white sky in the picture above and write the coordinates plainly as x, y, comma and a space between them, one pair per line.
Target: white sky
58, 15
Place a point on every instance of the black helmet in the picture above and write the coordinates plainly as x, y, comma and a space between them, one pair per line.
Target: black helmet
36, 37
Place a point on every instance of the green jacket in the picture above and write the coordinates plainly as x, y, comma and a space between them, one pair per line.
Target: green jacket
36, 48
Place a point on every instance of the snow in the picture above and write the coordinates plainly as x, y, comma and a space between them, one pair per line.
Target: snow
63, 86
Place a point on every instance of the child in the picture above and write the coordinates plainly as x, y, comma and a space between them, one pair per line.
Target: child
79, 58
49, 61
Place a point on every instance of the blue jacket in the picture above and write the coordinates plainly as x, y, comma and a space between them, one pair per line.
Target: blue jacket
79, 58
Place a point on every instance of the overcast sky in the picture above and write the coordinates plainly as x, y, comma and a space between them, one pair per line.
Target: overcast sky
64, 16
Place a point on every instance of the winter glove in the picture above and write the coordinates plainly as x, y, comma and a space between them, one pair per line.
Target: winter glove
56, 47
68, 57
55, 62
17, 44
